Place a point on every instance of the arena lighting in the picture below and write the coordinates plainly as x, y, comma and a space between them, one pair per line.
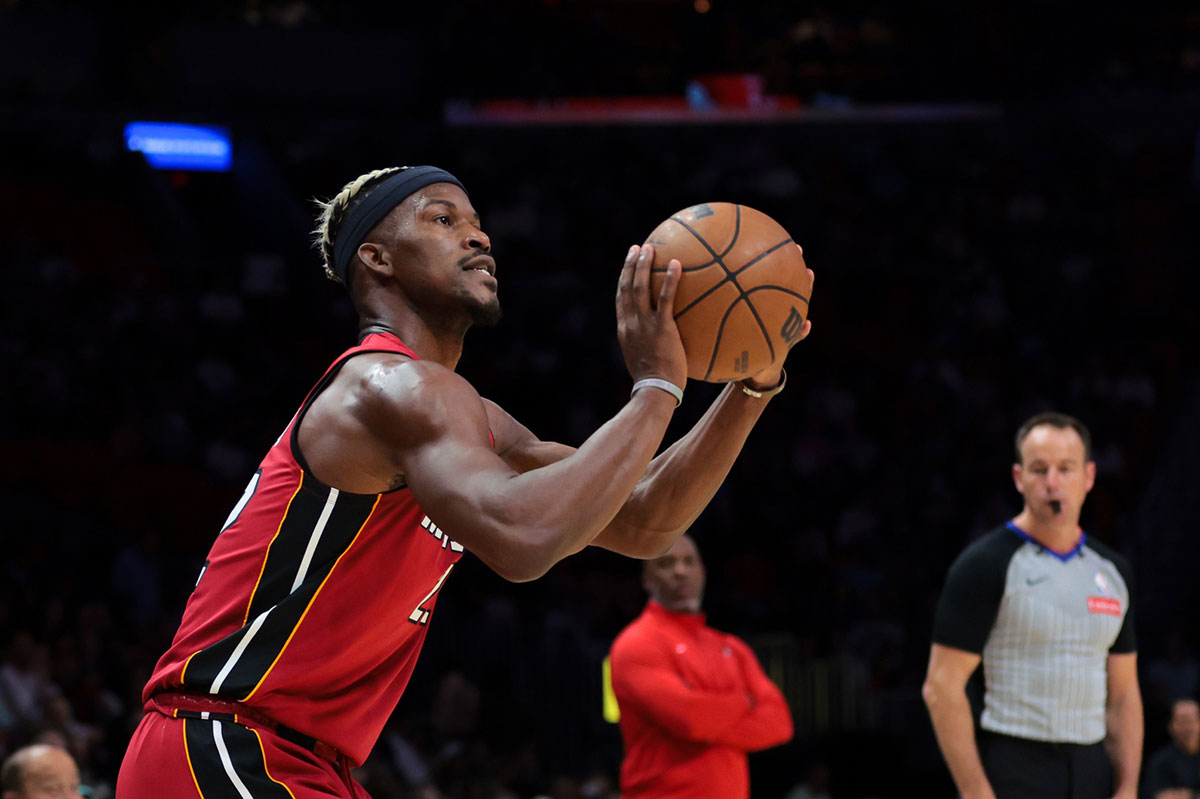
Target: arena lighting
173, 145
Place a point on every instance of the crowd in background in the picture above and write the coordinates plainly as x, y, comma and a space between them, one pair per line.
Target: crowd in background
158, 330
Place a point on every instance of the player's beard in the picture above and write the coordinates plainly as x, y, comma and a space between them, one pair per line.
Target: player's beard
485, 314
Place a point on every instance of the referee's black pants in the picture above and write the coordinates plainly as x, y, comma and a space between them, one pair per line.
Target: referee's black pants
1019, 768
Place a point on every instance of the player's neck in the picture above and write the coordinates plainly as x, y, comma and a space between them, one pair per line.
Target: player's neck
429, 345
1059, 535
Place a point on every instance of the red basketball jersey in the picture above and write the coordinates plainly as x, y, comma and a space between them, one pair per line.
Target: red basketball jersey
313, 603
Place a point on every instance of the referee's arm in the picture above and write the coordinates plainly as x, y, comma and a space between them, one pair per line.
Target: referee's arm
1123, 718
945, 693
966, 611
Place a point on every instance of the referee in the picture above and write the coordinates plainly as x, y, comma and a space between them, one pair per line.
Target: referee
1047, 611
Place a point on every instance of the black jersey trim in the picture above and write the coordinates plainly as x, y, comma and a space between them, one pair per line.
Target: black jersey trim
243, 755
237, 665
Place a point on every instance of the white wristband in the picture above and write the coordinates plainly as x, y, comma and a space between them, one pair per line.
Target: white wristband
666, 385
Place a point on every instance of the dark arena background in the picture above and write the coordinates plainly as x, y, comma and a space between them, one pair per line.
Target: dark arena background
1000, 205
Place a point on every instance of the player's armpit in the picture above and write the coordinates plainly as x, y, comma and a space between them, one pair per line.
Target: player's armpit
517, 446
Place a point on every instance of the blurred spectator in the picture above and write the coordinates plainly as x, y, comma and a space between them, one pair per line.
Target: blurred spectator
814, 786
25, 684
1175, 673
1173, 772
40, 771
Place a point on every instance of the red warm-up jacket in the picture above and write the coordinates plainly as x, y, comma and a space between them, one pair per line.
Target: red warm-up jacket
693, 702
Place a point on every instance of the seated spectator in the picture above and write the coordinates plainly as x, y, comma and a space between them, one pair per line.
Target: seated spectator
1174, 770
40, 771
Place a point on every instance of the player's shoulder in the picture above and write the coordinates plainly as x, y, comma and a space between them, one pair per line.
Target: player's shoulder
389, 382
384, 368
406, 402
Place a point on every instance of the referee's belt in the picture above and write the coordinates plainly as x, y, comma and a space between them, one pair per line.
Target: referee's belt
182, 705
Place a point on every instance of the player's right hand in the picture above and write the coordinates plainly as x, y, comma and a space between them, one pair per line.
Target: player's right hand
646, 325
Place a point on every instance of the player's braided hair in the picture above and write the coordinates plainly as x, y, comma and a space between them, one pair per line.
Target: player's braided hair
334, 212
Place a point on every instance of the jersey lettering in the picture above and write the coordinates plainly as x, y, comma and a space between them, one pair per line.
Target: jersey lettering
437, 533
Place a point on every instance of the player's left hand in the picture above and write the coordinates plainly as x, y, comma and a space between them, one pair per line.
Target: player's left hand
768, 378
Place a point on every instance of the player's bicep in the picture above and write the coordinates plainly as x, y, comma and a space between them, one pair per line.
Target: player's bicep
436, 430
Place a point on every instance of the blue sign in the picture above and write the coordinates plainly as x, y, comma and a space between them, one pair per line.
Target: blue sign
172, 145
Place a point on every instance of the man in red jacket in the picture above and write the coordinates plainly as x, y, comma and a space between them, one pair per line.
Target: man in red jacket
693, 701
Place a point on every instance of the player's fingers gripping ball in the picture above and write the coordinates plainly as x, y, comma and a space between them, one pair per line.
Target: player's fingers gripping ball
743, 297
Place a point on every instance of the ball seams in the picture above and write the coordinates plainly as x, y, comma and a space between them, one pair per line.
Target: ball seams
784, 289
680, 234
731, 276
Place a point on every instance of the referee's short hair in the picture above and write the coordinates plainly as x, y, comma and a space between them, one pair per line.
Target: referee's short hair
1054, 419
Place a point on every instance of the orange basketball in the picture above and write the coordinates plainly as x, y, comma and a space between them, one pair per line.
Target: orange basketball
743, 296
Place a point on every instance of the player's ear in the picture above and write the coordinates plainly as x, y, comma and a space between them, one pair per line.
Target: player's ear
1089, 474
376, 257
1016, 476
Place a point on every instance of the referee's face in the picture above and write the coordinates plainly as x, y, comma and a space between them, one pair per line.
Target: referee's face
1053, 474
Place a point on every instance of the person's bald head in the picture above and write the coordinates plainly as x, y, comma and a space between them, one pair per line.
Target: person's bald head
40, 771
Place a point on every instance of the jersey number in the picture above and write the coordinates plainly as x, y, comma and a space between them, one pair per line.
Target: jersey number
420, 614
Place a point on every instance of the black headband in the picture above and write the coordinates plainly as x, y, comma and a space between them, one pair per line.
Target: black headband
382, 199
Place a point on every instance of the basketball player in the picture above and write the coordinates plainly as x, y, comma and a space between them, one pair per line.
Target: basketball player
307, 620
1047, 612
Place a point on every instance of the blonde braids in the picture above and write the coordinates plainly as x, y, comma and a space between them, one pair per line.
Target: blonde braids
333, 213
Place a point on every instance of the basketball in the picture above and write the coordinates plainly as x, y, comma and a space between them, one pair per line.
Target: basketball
743, 295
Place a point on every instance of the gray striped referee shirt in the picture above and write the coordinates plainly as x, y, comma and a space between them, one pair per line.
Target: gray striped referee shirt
1045, 623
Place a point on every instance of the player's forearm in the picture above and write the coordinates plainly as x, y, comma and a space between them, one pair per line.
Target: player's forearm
542, 515
1123, 742
680, 482
954, 727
